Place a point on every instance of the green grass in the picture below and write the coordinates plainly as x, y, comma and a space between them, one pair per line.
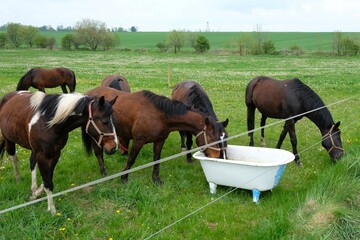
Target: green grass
318, 200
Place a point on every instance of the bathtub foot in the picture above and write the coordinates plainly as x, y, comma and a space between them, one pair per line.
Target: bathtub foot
212, 187
256, 195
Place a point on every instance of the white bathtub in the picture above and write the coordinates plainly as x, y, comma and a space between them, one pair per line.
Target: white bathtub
253, 168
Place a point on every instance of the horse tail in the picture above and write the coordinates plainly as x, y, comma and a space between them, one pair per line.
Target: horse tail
2, 145
74, 80
115, 84
25, 81
87, 141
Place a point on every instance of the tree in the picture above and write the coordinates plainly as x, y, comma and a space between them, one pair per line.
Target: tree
29, 33
91, 32
176, 39
201, 44
13, 34
244, 43
3, 40
133, 29
110, 40
336, 43
258, 37
50, 42
162, 46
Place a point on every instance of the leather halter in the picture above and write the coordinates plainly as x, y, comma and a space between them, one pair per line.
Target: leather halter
101, 134
330, 136
206, 142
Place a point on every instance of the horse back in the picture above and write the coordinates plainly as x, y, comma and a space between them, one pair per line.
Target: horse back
273, 98
15, 116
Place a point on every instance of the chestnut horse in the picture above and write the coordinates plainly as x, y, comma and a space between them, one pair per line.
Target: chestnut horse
146, 117
120, 83
192, 94
42, 122
286, 99
116, 81
41, 78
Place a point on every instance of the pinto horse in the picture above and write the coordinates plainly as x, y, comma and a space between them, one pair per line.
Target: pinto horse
286, 99
116, 81
41, 78
192, 94
42, 122
146, 117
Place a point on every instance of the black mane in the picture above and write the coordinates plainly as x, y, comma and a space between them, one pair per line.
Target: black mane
312, 101
200, 101
168, 106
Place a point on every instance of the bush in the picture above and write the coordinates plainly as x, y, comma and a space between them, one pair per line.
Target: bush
296, 49
3, 40
201, 44
162, 46
67, 41
349, 47
268, 47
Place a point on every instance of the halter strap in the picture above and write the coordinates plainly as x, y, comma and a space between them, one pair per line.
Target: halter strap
330, 136
101, 134
206, 142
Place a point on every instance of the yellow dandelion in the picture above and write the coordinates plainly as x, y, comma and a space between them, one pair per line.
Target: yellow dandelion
73, 184
118, 211
68, 219
110, 238
58, 214
62, 229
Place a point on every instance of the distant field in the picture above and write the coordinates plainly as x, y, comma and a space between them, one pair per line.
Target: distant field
308, 41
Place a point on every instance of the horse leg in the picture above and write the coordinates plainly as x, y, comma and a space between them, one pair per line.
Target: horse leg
11, 150
157, 155
135, 149
100, 157
63, 87
182, 138
283, 133
46, 167
250, 123
293, 140
189, 143
35, 190
262, 124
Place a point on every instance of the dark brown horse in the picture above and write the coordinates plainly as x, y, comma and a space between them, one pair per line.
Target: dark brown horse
193, 95
41, 78
116, 81
146, 117
286, 99
42, 123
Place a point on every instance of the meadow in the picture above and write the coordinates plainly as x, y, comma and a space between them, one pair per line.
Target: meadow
320, 200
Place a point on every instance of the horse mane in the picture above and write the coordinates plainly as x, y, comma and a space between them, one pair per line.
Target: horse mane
201, 101
168, 106
115, 84
311, 100
56, 108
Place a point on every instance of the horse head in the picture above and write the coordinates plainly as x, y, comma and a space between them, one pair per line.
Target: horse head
100, 124
213, 131
331, 141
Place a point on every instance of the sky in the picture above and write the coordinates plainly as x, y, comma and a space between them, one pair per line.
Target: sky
190, 15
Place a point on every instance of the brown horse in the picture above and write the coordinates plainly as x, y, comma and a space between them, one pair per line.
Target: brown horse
41, 78
42, 122
192, 94
116, 81
284, 100
146, 117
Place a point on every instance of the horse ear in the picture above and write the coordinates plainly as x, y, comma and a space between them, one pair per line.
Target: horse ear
337, 125
113, 101
101, 101
226, 122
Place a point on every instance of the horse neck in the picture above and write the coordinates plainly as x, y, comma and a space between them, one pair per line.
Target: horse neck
322, 119
190, 121
74, 122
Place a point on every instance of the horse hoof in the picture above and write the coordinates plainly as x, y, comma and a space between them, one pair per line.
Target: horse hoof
298, 162
124, 180
189, 160
158, 181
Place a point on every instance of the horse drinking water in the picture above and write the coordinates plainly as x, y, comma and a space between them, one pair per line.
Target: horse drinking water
146, 117
42, 122
286, 99
41, 78
193, 95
